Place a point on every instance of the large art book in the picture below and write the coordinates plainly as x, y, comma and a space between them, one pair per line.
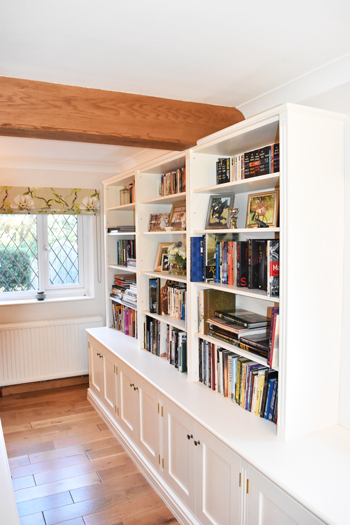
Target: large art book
243, 318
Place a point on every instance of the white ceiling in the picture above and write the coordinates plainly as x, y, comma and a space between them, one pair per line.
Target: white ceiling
224, 52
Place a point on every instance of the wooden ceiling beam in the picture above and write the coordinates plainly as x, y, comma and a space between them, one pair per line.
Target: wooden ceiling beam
58, 112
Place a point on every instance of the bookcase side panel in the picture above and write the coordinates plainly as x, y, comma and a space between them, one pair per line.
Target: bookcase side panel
311, 270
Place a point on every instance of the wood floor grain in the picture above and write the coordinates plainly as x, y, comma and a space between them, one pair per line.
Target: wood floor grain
68, 468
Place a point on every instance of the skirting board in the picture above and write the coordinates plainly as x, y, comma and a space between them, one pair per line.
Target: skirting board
180, 511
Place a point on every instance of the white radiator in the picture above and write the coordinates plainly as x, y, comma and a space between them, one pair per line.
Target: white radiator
44, 350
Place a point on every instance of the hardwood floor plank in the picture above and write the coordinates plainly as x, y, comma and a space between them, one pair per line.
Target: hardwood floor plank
162, 516
16, 428
19, 461
29, 449
102, 426
47, 466
97, 444
23, 483
71, 441
76, 521
57, 486
105, 452
124, 483
41, 504
65, 419
129, 509
112, 501
33, 519
77, 470
113, 474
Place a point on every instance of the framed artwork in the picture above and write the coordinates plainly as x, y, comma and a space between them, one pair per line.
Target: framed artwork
162, 250
177, 219
262, 209
219, 211
158, 222
165, 263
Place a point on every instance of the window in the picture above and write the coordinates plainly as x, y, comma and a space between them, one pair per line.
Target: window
46, 252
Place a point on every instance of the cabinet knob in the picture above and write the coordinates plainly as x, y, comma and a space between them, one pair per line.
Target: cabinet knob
100, 356
136, 387
197, 443
132, 384
189, 436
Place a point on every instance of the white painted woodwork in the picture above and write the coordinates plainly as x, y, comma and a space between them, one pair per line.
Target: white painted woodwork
128, 401
267, 504
218, 489
96, 372
179, 453
149, 431
110, 383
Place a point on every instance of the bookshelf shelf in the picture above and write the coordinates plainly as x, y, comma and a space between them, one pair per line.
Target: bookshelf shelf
232, 348
253, 184
253, 294
172, 232
167, 199
120, 234
250, 231
120, 301
123, 207
172, 321
122, 268
166, 275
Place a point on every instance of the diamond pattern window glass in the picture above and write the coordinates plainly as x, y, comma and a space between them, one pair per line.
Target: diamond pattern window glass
63, 249
18, 253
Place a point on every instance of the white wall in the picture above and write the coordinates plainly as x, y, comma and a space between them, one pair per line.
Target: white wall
40, 177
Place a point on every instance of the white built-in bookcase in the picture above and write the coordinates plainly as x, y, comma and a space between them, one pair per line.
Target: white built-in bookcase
311, 236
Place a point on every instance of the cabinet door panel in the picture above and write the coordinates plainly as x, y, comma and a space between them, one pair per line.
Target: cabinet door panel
179, 452
110, 385
96, 369
128, 402
148, 421
267, 504
217, 489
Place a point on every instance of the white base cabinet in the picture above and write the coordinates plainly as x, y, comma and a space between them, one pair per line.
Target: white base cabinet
201, 479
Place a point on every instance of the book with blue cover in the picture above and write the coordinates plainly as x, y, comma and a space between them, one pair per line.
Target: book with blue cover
196, 263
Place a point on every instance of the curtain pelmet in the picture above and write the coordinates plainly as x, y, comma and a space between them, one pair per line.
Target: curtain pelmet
67, 201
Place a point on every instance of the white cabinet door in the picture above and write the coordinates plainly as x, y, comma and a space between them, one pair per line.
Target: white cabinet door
267, 504
110, 391
96, 372
149, 430
128, 401
218, 491
178, 430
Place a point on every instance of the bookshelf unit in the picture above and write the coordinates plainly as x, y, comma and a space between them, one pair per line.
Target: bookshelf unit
310, 301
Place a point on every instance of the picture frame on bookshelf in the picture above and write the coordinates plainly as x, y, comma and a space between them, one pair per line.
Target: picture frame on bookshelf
165, 263
219, 211
162, 250
158, 222
177, 220
262, 209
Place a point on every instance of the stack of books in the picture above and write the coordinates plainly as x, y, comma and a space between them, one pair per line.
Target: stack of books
121, 229
122, 283
130, 295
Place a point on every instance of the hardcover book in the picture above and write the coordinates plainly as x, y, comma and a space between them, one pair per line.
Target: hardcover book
273, 247
243, 317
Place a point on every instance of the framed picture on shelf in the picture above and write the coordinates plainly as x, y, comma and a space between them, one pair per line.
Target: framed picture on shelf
262, 209
162, 250
158, 222
219, 211
177, 219
165, 263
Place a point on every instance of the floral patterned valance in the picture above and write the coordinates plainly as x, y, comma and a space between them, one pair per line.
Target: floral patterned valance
68, 201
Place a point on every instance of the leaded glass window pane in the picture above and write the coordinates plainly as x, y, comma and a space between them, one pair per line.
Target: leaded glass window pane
63, 249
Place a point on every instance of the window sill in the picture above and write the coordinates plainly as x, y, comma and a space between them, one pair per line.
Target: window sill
45, 301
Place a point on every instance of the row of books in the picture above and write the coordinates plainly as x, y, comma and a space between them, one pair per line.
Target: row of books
252, 386
124, 319
262, 161
126, 249
166, 341
173, 182
253, 263
167, 297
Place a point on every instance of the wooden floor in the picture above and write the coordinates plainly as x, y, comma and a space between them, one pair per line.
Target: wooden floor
68, 468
